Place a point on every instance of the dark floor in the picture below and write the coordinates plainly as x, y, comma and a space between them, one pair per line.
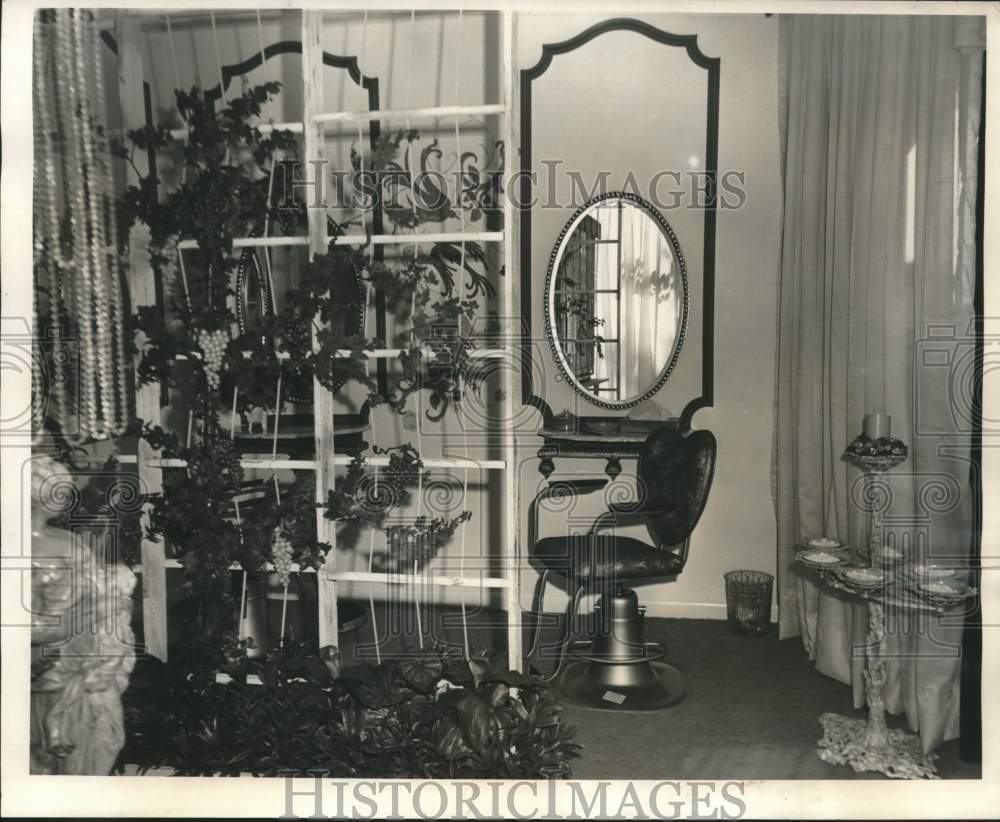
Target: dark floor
752, 709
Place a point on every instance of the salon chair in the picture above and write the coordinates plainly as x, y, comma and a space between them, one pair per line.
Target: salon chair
616, 669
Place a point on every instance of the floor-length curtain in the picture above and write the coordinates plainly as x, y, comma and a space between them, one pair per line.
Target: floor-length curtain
880, 118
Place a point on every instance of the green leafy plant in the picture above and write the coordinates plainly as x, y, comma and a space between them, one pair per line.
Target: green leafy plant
433, 716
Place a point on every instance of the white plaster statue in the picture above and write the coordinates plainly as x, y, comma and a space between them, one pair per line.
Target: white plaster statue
83, 648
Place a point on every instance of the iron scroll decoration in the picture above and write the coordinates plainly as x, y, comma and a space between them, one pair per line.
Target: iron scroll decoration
550, 281
712, 66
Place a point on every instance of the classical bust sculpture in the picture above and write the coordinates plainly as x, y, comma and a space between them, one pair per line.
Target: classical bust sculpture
83, 648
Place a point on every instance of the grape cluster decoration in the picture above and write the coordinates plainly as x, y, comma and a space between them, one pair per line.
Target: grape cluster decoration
213, 348
281, 556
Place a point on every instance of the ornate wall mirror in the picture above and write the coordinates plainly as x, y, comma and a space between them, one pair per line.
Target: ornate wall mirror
616, 300
619, 157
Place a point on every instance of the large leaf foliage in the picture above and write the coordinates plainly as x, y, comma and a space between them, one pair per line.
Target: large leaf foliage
436, 716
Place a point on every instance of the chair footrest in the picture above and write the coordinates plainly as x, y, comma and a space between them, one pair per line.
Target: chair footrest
651, 651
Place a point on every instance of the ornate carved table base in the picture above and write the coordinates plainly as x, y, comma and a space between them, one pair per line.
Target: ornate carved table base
868, 745
847, 741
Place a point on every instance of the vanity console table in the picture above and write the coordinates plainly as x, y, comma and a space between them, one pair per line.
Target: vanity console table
598, 438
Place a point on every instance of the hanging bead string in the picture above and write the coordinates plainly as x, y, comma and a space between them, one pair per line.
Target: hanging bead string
42, 280
70, 169
84, 281
106, 188
50, 236
98, 238
99, 302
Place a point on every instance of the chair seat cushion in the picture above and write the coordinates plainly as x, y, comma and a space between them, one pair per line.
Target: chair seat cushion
583, 557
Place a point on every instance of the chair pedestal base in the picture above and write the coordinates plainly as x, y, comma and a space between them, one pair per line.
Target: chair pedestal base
660, 685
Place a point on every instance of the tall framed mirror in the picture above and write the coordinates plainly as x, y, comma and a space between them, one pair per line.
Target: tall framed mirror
617, 197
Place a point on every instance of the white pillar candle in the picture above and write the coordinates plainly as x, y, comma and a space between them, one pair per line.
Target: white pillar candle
877, 426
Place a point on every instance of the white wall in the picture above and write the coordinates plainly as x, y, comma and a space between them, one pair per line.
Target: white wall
737, 529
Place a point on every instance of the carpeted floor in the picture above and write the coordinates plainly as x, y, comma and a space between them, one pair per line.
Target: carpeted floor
752, 710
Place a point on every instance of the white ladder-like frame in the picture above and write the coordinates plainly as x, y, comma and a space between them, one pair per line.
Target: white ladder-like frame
149, 465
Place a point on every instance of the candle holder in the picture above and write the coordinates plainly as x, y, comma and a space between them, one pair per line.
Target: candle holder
875, 458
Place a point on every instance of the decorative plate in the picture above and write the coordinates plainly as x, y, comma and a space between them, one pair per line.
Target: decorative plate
942, 593
861, 577
823, 543
934, 572
821, 558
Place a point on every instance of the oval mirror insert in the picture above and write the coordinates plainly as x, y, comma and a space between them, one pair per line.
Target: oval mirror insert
616, 300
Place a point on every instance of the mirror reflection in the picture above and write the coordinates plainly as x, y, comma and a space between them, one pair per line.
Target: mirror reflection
617, 304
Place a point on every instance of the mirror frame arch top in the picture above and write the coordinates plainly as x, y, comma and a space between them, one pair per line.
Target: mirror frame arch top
551, 277
689, 42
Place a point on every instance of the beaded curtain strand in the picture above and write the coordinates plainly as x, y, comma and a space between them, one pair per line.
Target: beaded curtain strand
83, 286
48, 250
105, 188
79, 267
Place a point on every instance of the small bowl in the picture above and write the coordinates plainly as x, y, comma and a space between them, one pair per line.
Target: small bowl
603, 426
862, 577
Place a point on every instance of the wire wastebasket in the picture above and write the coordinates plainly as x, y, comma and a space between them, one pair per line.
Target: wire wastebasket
748, 601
